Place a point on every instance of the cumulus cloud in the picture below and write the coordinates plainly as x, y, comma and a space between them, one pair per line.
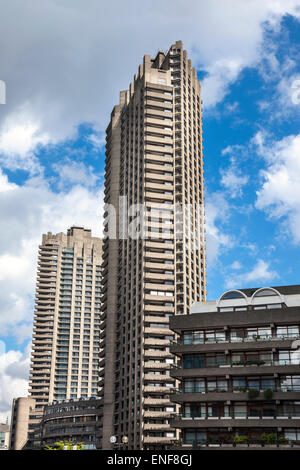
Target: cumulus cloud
285, 101
233, 181
72, 172
19, 139
233, 178
279, 194
217, 213
261, 272
236, 265
73, 57
14, 371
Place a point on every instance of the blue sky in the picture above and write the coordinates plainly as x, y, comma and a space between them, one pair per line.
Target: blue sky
63, 73
254, 233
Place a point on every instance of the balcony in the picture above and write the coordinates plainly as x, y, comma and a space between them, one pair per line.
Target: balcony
196, 395
158, 440
157, 427
180, 421
260, 342
233, 368
149, 365
160, 389
252, 444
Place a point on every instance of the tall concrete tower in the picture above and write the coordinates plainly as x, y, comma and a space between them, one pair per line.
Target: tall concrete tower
154, 246
66, 331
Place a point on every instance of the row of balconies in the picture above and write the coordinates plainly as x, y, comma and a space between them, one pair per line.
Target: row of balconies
232, 369
157, 440
181, 422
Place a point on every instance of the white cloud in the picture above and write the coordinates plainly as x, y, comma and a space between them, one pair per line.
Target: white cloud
14, 372
280, 191
217, 213
97, 140
64, 62
285, 100
236, 265
232, 178
19, 137
261, 272
73, 172
233, 181
28, 211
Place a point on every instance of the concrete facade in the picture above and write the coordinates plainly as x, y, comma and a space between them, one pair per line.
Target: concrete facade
154, 158
74, 420
239, 369
22, 409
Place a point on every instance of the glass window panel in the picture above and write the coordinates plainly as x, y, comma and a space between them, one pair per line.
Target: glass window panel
236, 335
254, 384
240, 410
268, 384
188, 386
291, 434
188, 362
199, 361
239, 382
221, 359
222, 384
210, 336
190, 436
201, 436
269, 410
211, 385
187, 411
198, 337
210, 361
199, 385
220, 336
187, 338
237, 357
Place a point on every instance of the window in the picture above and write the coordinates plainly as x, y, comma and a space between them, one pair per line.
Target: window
292, 434
289, 357
204, 336
287, 331
240, 334
197, 361
232, 295
290, 383
195, 436
265, 293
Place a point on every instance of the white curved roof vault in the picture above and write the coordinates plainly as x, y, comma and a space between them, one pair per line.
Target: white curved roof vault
261, 296
241, 300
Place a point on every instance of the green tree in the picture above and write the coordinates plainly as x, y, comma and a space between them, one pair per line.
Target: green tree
65, 445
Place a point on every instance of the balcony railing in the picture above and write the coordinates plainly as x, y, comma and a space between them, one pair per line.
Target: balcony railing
281, 442
203, 390
237, 415
280, 362
185, 341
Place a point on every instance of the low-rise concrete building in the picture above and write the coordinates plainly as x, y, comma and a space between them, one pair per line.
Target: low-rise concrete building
72, 420
239, 369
